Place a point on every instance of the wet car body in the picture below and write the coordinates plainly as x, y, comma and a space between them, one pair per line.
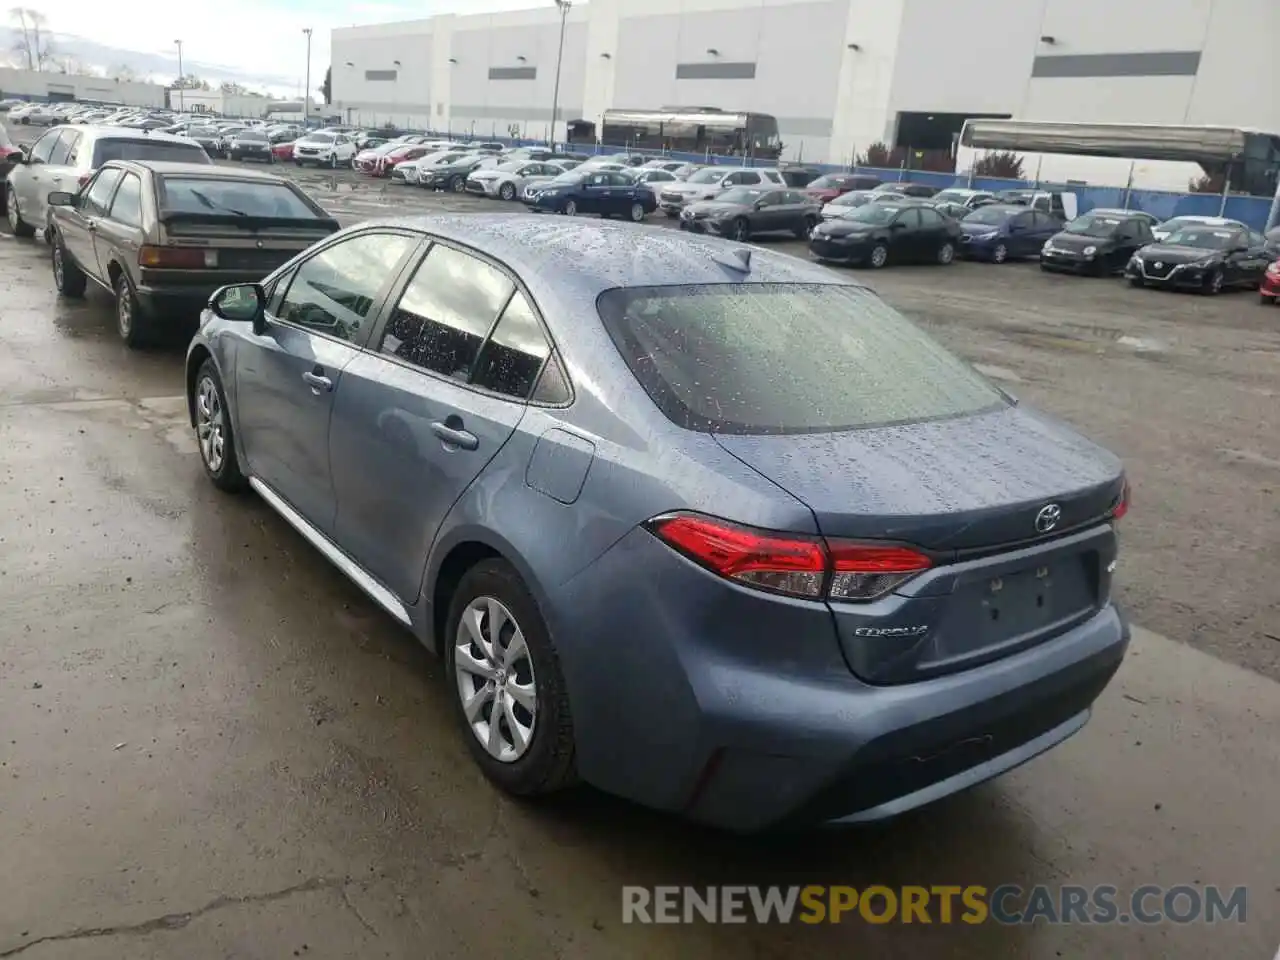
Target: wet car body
815, 693
1207, 259
604, 192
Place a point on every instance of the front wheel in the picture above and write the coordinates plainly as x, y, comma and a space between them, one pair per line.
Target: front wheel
946, 253
1000, 254
570, 208
507, 191
805, 231
1213, 285
68, 278
509, 692
457, 184
213, 431
879, 256
741, 230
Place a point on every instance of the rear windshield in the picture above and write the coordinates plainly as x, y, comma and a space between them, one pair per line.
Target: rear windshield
141, 149
233, 197
740, 358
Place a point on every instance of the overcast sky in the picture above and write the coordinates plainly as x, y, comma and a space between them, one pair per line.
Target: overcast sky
255, 35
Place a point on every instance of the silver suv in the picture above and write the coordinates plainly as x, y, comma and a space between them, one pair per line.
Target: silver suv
706, 183
65, 159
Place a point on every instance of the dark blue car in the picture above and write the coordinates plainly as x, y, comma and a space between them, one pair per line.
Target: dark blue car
1001, 232
604, 192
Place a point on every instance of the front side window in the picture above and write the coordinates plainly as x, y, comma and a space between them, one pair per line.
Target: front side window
126, 208
43, 147
446, 312
333, 292
99, 192
910, 217
723, 358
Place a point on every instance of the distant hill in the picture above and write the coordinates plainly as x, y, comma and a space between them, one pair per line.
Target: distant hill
158, 67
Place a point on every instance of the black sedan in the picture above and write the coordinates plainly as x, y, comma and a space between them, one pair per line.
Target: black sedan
250, 145
877, 233
1097, 243
1206, 259
208, 138
744, 212
452, 176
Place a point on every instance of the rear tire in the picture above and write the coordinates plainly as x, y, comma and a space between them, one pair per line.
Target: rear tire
1000, 254
946, 253
637, 212
19, 226
68, 278
570, 208
132, 323
546, 763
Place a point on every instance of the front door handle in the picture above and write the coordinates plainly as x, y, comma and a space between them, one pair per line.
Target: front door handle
455, 436
317, 382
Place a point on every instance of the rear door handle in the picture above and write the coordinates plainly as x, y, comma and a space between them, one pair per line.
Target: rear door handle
455, 436
317, 382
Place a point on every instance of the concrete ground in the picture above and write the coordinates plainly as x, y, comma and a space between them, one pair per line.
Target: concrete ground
212, 745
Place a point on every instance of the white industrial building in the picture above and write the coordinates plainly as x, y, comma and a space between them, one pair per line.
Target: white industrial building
838, 75
50, 85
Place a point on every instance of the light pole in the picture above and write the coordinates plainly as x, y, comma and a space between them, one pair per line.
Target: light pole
182, 100
306, 90
564, 6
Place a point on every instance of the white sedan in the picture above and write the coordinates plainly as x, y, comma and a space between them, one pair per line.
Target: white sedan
507, 180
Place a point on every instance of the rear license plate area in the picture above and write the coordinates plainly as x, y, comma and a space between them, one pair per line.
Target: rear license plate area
1014, 605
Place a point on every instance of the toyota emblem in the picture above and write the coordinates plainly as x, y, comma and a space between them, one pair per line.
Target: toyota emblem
1048, 517
1159, 265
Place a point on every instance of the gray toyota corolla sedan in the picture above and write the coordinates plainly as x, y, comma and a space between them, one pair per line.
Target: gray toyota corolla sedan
703, 525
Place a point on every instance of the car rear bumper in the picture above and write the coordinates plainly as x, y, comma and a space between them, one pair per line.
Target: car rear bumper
1270, 286
182, 301
737, 709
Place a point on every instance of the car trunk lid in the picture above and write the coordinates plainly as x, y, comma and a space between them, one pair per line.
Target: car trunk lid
252, 245
1010, 507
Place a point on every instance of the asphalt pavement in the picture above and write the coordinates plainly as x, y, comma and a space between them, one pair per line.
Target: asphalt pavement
212, 745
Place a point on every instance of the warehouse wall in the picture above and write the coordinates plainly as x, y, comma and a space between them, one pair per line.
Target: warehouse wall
43, 85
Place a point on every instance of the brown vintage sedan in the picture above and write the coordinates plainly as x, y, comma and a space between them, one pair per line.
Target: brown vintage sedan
162, 237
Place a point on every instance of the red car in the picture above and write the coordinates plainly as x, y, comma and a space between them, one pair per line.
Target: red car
1269, 291
9, 155
827, 188
282, 151
385, 162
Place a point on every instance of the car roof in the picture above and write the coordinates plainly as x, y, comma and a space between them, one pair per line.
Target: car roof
206, 171
580, 259
103, 132
1116, 212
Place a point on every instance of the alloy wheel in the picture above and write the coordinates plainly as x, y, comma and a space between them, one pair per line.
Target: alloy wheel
507, 191
496, 683
210, 425
741, 231
637, 212
14, 217
946, 253
58, 276
124, 312
1000, 254
1215, 282
879, 256
571, 209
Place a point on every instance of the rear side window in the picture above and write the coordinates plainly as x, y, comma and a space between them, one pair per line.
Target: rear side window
234, 198
514, 353
126, 208
729, 358
446, 312
143, 149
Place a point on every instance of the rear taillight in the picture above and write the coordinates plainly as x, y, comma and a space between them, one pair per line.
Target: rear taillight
1122, 504
1274, 269
790, 564
187, 258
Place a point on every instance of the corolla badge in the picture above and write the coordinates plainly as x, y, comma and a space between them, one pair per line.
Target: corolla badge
1159, 265
1048, 517
913, 631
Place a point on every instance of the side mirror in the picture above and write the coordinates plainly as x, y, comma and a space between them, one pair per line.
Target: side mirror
241, 303
61, 198
19, 155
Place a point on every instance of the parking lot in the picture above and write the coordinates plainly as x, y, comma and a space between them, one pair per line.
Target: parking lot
238, 754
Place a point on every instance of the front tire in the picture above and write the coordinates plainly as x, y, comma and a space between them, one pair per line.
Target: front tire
1213, 284
507, 191
741, 230
570, 208
68, 278
509, 692
1000, 254
457, 184
19, 226
213, 431
879, 256
806, 231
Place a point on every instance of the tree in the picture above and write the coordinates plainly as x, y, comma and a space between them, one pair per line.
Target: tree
1004, 164
31, 42
326, 88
